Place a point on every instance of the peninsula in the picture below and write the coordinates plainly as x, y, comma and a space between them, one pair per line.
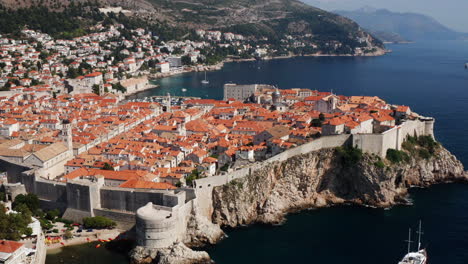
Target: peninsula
81, 163
179, 170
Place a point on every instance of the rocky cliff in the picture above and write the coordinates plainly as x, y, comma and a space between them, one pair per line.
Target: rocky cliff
316, 179
325, 178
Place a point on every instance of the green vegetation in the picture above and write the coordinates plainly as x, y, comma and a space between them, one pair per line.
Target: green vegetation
423, 146
193, 176
57, 24
316, 123
30, 201
119, 87
52, 214
379, 164
225, 167
98, 222
350, 156
107, 166
13, 226
397, 156
96, 89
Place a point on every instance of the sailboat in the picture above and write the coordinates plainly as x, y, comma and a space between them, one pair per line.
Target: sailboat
418, 257
205, 81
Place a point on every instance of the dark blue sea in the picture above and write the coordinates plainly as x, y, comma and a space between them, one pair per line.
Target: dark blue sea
430, 77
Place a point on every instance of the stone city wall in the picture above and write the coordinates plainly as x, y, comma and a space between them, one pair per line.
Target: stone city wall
124, 220
393, 138
203, 187
131, 199
41, 250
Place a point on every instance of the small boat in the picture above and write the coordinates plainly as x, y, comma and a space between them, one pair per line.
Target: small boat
466, 65
184, 90
418, 257
205, 81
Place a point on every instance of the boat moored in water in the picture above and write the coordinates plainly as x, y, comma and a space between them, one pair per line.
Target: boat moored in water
418, 257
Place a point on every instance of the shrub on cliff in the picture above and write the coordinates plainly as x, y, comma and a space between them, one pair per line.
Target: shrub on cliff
423, 146
98, 222
397, 156
350, 156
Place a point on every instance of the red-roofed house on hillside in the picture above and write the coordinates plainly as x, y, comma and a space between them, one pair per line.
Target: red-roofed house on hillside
12, 252
93, 78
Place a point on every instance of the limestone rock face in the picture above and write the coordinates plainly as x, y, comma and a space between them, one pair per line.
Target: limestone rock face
321, 178
201, 231
176, 254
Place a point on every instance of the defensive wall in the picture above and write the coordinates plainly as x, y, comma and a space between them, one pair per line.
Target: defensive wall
41, 250
371, 143
161, 215
204, 187
393, 138
161, 226
89, 197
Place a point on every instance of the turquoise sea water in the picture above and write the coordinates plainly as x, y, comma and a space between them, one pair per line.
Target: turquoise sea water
430, 77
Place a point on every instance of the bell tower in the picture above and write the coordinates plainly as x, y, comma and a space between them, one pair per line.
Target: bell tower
66, 134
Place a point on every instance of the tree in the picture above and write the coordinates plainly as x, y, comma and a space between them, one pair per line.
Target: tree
186, 60
14, 225
52, 214
119, 87
98, 222
72, 73
96, 89
107, 166
30, 200
316, 122
321, 117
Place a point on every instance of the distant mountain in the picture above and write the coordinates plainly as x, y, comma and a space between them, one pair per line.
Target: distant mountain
397, 27
265, 20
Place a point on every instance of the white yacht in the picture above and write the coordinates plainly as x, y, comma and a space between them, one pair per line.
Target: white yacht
418, 257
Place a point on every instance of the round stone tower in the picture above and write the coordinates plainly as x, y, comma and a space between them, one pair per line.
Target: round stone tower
429, 127
155, 227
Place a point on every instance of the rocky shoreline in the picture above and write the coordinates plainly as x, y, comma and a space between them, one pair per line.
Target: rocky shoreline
319, 179
313, 180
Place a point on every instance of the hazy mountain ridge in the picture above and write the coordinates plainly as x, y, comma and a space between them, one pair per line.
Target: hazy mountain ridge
407, 26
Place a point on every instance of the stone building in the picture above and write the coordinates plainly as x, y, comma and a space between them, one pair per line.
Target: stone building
12, 252
239, 92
